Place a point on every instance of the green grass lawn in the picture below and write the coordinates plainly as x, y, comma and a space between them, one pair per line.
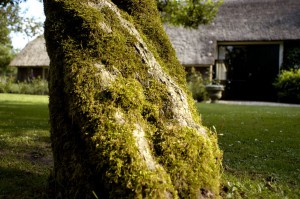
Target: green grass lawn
261, 148
25, 153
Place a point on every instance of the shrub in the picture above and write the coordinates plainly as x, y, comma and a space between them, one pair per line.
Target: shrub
291, 59
196, 85
25, 88
40, 86
12, 88
5, 84
288, 86
2, 87
35, 86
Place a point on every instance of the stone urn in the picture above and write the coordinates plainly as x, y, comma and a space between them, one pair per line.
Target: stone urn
214, 92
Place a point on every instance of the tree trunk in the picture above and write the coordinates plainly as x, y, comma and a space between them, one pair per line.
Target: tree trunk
122, 123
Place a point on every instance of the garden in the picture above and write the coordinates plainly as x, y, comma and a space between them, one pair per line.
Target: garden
260, 145
35, 86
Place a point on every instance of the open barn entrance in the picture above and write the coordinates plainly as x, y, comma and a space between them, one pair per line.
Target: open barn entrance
251, 71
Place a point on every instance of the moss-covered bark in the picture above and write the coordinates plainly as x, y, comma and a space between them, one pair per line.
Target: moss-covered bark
122, 125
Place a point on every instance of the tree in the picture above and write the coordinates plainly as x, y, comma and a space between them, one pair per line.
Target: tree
5, 57
122, 123
189, 13
12, 2
8, 19
12, 21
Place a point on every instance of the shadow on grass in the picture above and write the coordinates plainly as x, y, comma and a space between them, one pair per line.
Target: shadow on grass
25, 152
17, 184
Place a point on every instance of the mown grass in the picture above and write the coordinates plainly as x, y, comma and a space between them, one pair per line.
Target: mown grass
25, 153
261, 149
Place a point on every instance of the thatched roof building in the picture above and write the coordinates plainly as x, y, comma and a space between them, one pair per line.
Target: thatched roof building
238, 21
244, 46
33, 60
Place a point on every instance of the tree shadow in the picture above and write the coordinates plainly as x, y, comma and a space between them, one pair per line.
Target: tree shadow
17, 184
25, 152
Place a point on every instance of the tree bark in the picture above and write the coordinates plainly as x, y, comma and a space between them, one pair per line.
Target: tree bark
122, 123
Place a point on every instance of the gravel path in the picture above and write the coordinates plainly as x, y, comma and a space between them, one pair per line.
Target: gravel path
254, 103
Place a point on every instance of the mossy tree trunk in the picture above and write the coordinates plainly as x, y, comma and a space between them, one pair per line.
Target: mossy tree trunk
122, 123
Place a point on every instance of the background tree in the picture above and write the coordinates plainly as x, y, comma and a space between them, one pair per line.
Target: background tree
189, 13
12, 21
12, 2
8, 20
122, 125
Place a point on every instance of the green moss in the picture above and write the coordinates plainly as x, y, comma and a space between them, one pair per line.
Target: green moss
147, 20
191, 160
97, 120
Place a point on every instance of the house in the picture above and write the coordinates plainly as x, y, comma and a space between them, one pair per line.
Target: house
32, 61
243, 47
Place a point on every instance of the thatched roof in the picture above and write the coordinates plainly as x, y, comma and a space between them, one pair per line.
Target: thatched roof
238, 20
33, 54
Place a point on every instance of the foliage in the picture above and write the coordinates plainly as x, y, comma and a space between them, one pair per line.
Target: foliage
291, 59
189, 13
261, 147
196, 85
6, 2
35, 86
12, 21
13, 2
8, 17
6, 56
288, 86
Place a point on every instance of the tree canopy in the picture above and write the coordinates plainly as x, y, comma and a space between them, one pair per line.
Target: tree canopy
11, 20
189, 13
8, 21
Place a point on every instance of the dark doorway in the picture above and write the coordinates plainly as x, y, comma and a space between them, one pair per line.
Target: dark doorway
251, 71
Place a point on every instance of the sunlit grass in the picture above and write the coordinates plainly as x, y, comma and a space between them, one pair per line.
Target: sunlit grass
261, 148
261, 145
24, 146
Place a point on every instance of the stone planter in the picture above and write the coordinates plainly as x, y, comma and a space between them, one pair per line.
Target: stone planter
214, 92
